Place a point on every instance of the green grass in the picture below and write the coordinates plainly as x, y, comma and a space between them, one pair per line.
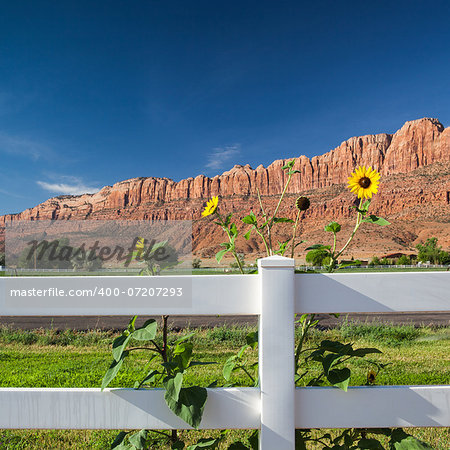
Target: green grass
382, 269
48, 358
216, 271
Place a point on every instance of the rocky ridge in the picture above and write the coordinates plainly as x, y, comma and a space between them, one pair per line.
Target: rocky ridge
414, 163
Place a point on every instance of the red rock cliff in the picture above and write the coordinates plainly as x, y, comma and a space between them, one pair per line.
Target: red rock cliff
417, 144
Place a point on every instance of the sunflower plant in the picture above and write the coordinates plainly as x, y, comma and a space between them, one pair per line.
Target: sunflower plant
328, 360
364, 183
262, 226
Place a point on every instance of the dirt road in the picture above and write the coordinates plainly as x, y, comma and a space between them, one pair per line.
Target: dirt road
178, 322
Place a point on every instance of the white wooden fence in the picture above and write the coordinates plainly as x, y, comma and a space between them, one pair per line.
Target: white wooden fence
277, 407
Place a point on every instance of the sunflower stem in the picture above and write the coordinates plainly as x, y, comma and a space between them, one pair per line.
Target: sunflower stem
270, 224
232, 250
358, 223
294, 234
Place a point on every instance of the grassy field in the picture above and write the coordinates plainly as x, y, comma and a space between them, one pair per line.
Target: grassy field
46, 358
221, 270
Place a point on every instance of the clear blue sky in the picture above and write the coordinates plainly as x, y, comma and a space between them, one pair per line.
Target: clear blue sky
95, 92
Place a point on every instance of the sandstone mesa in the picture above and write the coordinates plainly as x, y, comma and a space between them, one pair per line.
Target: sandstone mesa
414, 195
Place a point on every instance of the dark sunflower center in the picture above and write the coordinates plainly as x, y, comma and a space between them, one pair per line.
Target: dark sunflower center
365, 182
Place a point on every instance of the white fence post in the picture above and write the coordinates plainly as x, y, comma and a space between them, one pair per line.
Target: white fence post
276, 353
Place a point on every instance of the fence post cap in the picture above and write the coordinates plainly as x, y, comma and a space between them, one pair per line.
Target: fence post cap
276, 261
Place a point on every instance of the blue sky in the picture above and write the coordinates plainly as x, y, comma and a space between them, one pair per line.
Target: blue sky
95, 92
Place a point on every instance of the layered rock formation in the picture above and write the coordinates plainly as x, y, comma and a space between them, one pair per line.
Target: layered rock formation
419, 144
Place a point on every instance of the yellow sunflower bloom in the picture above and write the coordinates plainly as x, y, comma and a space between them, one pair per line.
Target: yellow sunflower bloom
211, 206
140, 244
364, 182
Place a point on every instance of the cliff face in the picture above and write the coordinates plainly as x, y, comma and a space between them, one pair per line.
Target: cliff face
418, 144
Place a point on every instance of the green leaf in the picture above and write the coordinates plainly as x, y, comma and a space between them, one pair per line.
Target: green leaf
155, 247
173, 386
131, 326
185, 337
301, 437
339, 378
333, 227
119, 345
139, 439
404, 441
190, 404
370, 444
238, 445
113, 370
147, 332
319, 247
233, 229
282, 220
228, 367
179, 445
205, 443
220, 254
375, 219
291, 172
250, 219
247, 235
364, 207
349, 264
124, 446
228, 219
361, 352
252, 339
253, 440
336, 347
150, 377
119, 439
328, 361
182, 354
289, 165
299, 243
282, 248
241, 351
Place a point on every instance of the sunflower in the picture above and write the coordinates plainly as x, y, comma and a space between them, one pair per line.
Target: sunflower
140, 244
211, 206
371, 376
364, 182
302, 203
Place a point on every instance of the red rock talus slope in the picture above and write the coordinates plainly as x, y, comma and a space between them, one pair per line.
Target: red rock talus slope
415, 191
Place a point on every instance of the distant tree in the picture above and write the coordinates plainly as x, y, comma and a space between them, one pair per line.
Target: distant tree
385, 262
2, 259
403, 260
444, 258
429, 251
196, 263
317, 256
45, 254
82, 260
375, 261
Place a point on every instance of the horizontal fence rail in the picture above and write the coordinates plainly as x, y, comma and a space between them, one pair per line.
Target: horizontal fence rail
231, 408
372, 292
72, 408
276, 407
373, 407
239, 295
